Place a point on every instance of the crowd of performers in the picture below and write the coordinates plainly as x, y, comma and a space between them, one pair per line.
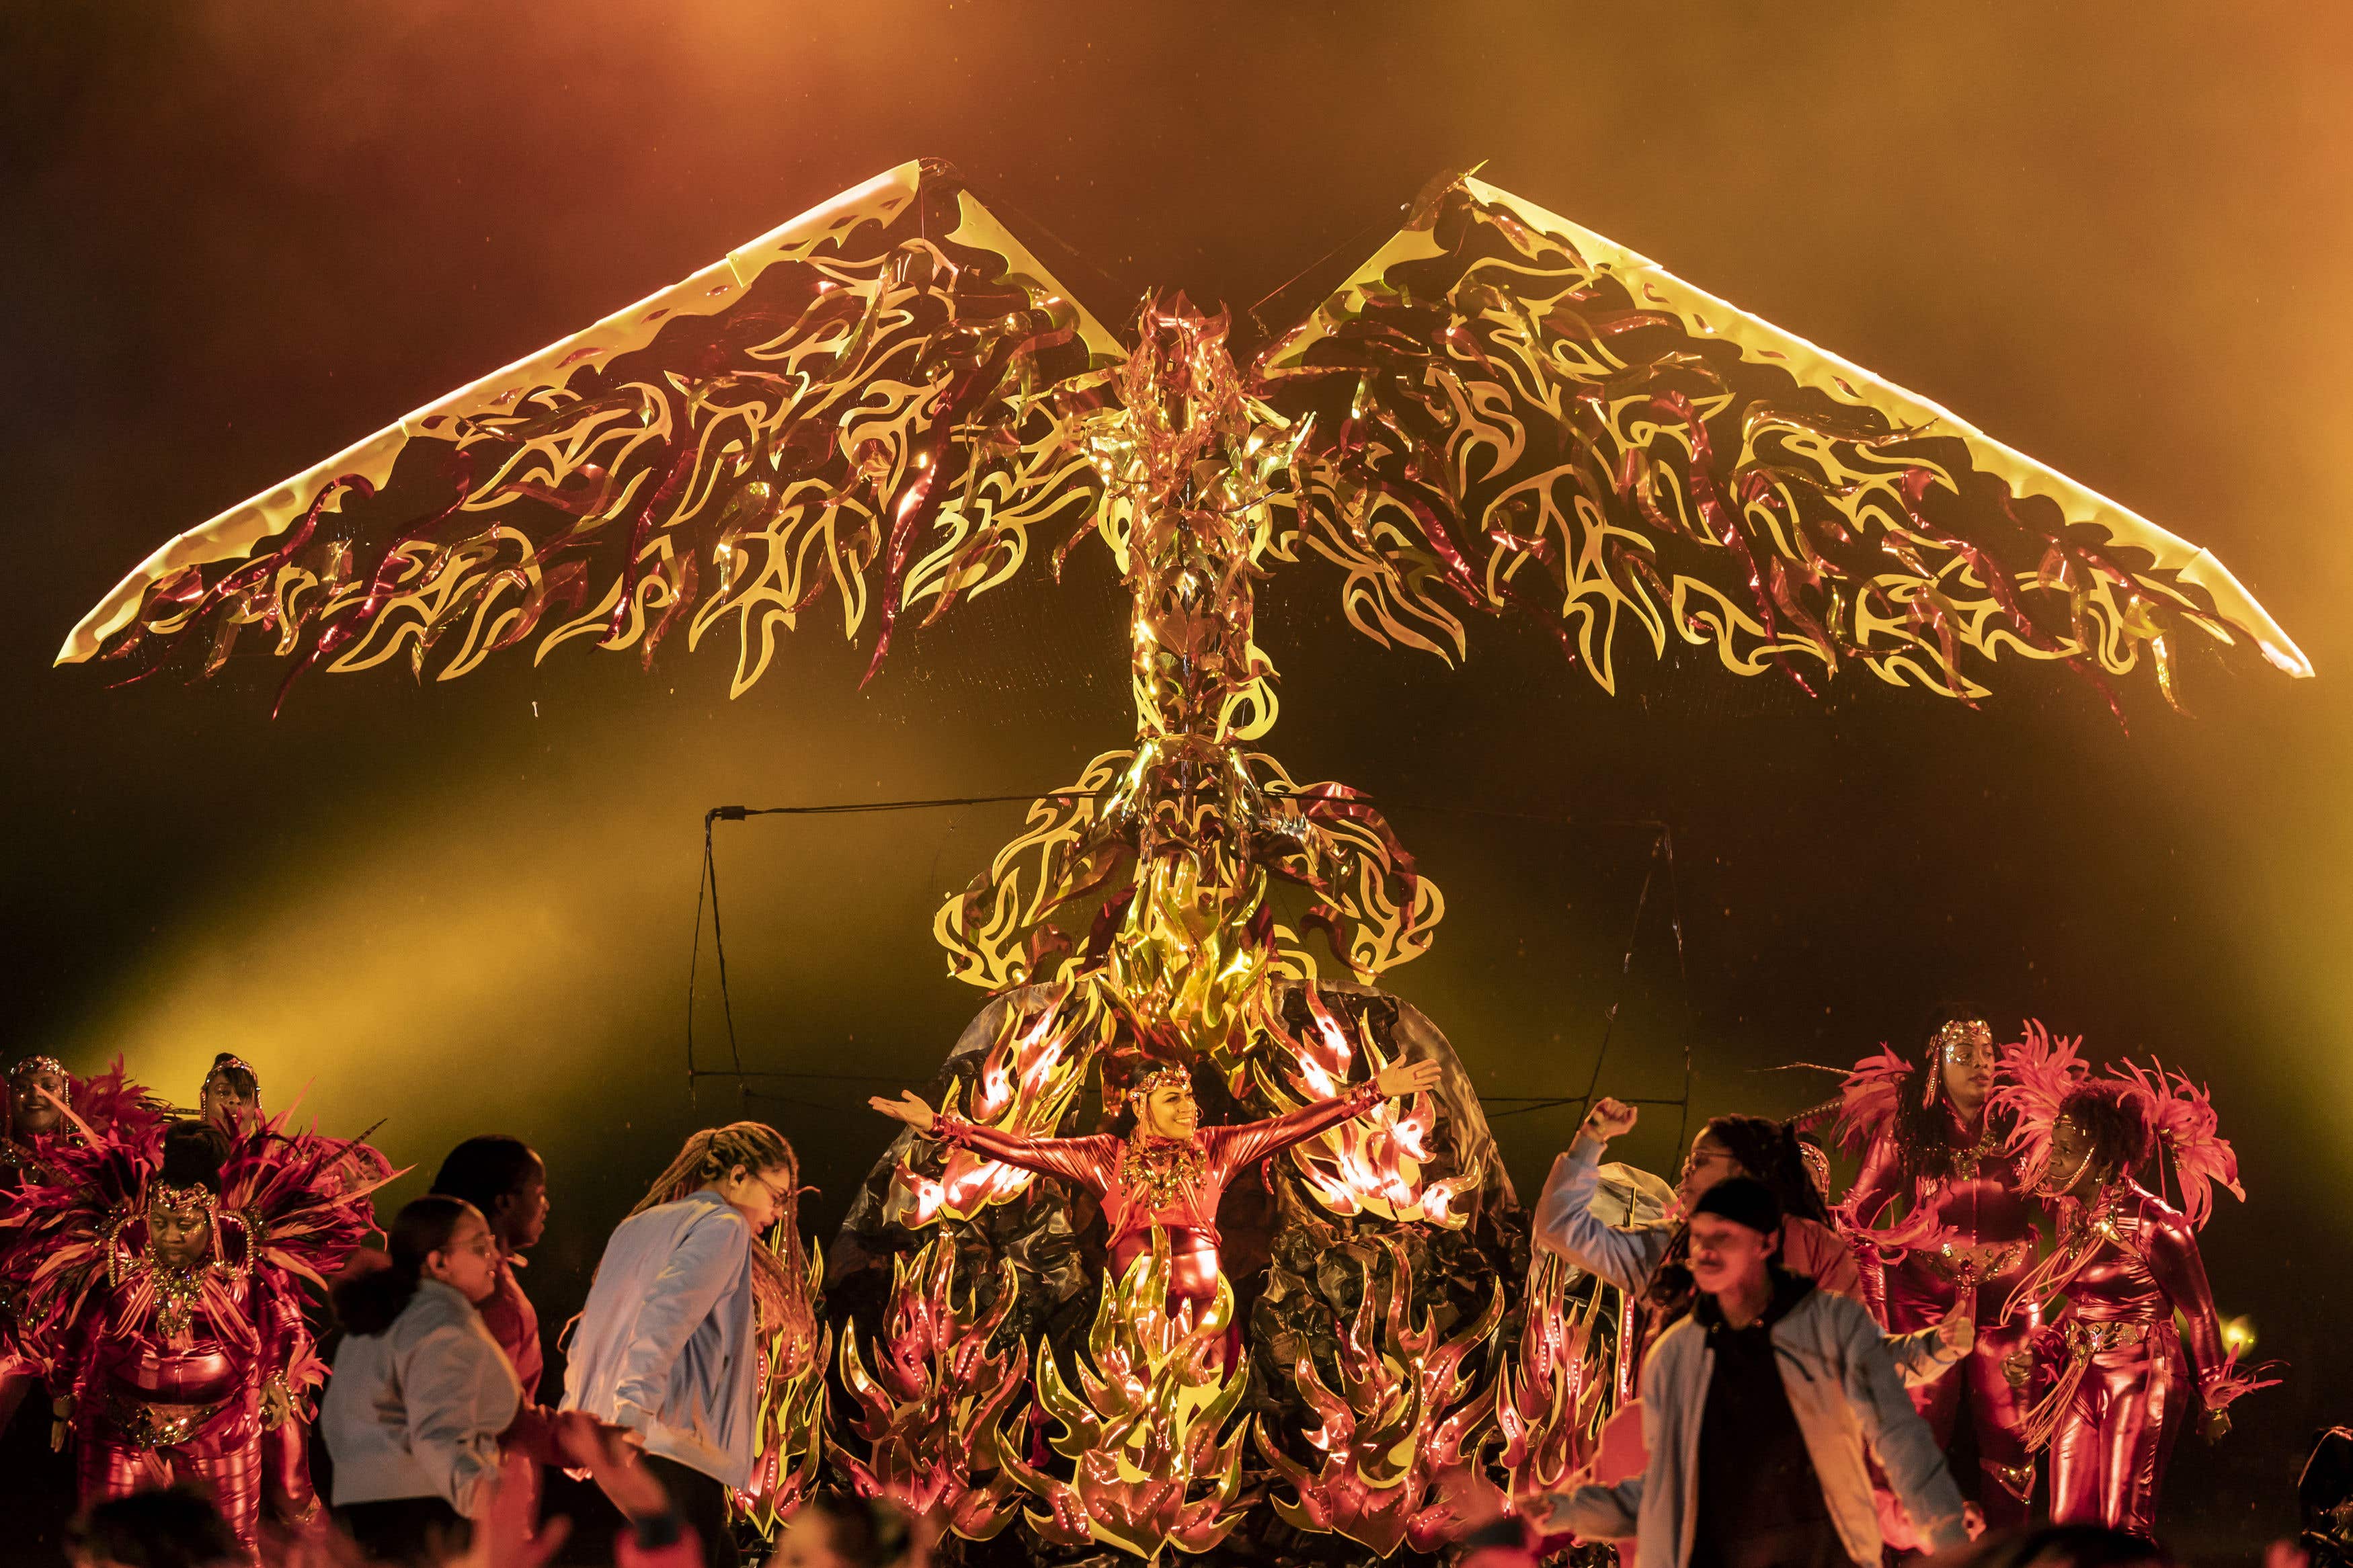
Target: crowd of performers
1999, 1233
168, 1278
1998, 1264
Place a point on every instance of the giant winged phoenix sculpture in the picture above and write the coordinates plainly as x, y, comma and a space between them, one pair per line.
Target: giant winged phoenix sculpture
886, 406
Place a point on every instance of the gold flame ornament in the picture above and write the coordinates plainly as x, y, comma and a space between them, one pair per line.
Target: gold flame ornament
928, 1413
1399, 1445
1027, 1081
1372, 1165
1148, 1426
1551, 1395
789, 1427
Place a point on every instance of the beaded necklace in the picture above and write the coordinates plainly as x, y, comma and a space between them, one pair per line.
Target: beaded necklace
1159, 1171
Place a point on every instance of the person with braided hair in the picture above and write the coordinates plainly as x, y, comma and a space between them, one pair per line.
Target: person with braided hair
1632, 1256
1650, 1260
1932, 1143
669, 1345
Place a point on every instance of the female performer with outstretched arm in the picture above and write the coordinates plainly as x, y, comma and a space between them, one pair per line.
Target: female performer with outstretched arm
1169, 1174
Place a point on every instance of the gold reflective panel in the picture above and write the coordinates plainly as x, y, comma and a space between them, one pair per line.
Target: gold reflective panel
1146, 1424
886, 406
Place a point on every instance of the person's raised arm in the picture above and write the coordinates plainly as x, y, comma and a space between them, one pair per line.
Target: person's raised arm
1565, 1222
1071, 1159
1240, 1146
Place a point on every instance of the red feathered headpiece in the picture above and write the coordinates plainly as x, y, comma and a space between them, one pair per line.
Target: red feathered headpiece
2182, 1116
2038, 1072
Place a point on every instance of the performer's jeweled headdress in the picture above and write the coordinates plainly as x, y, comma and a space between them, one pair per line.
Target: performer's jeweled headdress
226, 1063
1168, 1077
1958, 1035
31, 1065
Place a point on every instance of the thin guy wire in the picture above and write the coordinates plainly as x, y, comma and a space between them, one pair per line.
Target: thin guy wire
719, 950
1664, 843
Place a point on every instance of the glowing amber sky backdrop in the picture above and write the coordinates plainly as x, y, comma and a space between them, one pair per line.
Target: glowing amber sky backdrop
2114, 237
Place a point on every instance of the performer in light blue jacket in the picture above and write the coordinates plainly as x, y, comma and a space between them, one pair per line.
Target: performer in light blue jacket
1757, 1410
668, 1345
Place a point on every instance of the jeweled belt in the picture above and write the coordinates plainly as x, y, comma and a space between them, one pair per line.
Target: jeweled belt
2091, 1339
1975, 1265
146, 1423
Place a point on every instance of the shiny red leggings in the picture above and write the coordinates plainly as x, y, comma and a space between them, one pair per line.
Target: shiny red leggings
1997, 1411
2107, 1458
233, 1481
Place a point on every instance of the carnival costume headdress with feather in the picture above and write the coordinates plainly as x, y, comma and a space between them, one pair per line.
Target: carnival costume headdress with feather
291, 1209
2044, 1071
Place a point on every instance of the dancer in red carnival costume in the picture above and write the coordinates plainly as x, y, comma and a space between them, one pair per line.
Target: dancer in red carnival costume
162, 1278
49, 1107
2120, 1383
1168, 1173
1932, 1141
230, 1099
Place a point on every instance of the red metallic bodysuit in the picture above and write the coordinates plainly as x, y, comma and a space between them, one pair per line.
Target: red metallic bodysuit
1974, 1230
197, 1372
108, 1104
1149, 1184
170, 1390
2123, 1386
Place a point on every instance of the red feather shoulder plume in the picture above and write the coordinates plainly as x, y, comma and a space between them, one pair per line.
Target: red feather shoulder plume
2038, 1072
2182, 1114
109, 1104
1869, 1097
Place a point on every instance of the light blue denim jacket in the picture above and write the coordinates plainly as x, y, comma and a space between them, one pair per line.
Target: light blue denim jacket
1846, 1395
665, 1345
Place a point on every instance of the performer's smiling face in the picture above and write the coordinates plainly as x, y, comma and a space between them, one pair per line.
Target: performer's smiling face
179, 1229
1168, 1111
30, 1101
2070, 1172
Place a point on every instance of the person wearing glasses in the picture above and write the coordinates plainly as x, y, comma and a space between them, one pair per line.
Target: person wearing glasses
1946, 1226
422, 1395
669, 1346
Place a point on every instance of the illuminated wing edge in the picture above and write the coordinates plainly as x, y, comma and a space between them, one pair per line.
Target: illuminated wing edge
1759, 342
232, 534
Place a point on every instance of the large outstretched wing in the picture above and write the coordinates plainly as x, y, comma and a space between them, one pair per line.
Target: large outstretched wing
1514, 411
873, 401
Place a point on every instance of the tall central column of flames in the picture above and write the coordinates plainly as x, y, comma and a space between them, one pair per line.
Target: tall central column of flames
1134, 921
